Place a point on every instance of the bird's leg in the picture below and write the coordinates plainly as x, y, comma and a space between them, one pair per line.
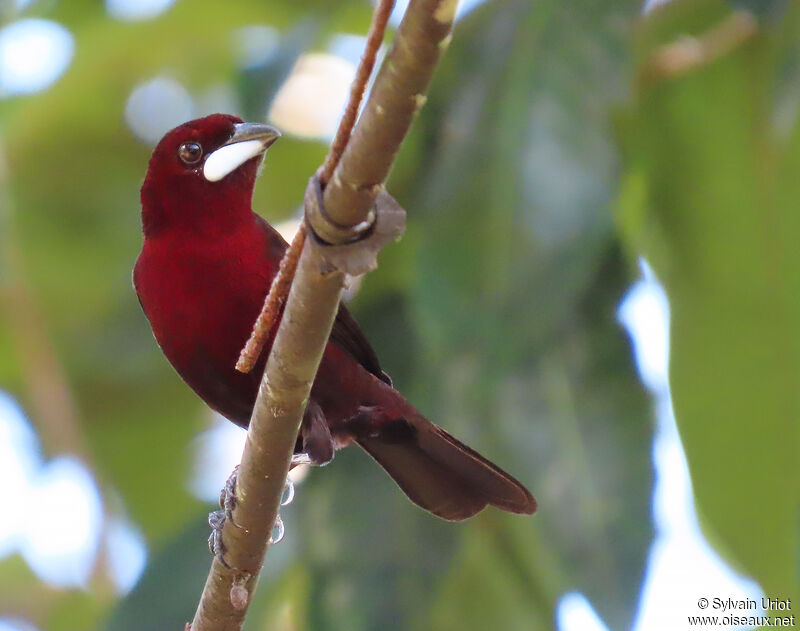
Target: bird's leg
227, 496
217, 519
317, 445
316, 438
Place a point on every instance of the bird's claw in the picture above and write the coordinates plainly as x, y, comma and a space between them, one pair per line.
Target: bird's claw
217, 519
228, 498
227, 502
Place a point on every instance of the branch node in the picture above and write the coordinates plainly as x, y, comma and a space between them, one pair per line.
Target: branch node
352, 250
325, 229
239, 594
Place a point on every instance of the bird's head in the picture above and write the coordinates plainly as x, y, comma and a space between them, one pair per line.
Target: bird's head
204, 172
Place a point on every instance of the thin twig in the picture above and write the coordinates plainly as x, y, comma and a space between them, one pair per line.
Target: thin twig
275, 300
690, 53
282, 282
359, 86
309, 314
399, 92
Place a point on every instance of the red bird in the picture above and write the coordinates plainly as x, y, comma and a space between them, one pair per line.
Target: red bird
205, 268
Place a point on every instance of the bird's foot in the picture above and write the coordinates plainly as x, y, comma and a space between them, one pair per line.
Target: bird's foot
217, 519
227, 502
227, 496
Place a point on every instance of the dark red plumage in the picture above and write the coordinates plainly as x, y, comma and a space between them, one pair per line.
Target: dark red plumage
205, 268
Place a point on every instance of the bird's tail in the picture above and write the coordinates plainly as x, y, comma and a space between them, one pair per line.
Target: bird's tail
434, 469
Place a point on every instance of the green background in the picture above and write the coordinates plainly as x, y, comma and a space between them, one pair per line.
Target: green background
548, 159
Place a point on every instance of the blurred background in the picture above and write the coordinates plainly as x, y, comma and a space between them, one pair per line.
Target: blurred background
592, 188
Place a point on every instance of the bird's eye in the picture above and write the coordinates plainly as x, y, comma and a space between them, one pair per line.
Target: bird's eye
190, 152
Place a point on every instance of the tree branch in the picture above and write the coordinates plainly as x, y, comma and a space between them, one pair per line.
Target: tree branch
279, 290
313, 301
398, 94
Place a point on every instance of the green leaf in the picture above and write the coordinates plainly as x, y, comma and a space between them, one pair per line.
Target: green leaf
373, 559
167, 594
711, 200
505, 578
23, 595
513, 292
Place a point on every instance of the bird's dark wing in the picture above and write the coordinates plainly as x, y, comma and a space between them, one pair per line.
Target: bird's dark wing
347, 335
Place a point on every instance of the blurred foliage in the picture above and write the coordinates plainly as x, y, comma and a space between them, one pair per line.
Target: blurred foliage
710, 197
522, 342
496, 314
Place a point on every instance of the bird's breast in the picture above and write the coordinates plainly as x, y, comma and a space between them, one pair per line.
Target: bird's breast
201, 299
